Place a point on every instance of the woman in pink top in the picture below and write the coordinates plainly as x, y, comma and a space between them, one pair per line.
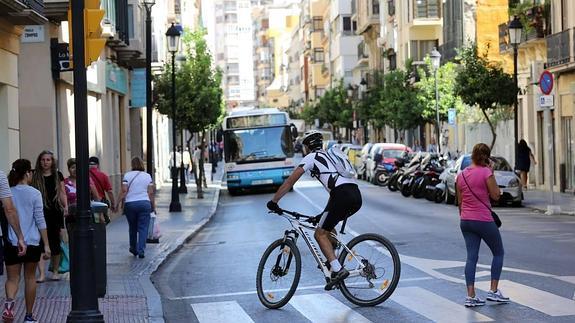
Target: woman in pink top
475, 186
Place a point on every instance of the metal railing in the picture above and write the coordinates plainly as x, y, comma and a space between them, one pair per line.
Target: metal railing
558, 48
36, 5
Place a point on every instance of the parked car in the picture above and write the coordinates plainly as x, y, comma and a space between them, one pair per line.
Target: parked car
382, 154
506, 179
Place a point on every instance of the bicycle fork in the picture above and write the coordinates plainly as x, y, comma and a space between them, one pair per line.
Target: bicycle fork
288, 235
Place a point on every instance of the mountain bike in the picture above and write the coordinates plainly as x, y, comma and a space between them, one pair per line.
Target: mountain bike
371, 259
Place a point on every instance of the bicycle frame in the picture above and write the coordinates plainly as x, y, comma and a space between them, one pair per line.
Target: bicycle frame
302, 229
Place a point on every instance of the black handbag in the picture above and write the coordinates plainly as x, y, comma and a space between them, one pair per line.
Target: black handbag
496, 218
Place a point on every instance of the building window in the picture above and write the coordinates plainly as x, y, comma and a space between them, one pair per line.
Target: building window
421, 48
391, 7
426, 9
318, 55
317, 24
375, 7
131, 21
346, 24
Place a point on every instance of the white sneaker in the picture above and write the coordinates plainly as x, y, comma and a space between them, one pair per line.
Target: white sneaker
497, 296
474, 301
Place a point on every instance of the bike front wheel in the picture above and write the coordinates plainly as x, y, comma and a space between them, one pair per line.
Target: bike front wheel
278, 273
375, 279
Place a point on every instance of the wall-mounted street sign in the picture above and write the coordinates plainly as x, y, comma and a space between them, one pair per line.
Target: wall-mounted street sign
451, 116
546, 82
546, 101
33, 34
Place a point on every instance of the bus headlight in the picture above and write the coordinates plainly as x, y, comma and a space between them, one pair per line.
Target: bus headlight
233, 177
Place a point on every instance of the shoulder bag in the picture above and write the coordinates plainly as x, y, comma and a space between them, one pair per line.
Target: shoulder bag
493, 214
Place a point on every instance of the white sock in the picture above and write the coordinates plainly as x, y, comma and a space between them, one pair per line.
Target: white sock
335, 265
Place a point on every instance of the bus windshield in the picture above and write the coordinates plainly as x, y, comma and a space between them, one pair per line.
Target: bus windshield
258, 145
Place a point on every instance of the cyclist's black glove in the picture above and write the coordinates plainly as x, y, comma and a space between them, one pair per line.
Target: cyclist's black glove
274, 207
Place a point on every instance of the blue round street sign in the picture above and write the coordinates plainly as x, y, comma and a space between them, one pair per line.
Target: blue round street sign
546, 82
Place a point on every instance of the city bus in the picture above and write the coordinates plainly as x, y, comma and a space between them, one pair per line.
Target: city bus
258, 148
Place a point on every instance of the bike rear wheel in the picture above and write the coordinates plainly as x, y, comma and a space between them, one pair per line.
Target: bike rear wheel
278, 273
380, 275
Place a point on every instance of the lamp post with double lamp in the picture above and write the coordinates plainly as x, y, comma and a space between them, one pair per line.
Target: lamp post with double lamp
435, 61
149, 109
173, 36
515, 28
350, 91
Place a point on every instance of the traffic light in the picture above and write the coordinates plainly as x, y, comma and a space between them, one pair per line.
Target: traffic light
94, 43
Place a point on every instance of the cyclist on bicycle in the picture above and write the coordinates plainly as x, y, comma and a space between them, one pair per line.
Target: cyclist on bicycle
344, 198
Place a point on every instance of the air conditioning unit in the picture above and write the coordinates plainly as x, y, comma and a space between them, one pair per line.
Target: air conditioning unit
380, 42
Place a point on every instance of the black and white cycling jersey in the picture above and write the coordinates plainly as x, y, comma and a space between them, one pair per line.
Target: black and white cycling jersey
319, 165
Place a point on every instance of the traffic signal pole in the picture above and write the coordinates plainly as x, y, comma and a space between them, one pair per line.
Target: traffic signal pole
82, 278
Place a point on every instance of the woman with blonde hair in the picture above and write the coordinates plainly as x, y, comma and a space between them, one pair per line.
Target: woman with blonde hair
138, 192
475, 186
50, 182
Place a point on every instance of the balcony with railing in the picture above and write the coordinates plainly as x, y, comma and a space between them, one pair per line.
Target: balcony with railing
536, 26
559, 48
23, 12
362, 53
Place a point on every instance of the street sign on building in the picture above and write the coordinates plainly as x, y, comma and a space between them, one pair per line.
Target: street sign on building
546, 82
451, 116
33, 34
546, 101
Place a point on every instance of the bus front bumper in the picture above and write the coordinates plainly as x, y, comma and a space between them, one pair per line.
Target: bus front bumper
254, 178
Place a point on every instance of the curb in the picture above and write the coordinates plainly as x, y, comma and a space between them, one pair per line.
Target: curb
153, 298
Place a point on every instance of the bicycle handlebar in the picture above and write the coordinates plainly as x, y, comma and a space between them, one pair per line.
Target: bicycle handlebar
296, 215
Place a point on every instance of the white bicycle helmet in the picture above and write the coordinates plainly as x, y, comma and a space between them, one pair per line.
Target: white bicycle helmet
313, 140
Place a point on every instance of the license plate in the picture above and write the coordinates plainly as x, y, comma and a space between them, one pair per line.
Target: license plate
262, 182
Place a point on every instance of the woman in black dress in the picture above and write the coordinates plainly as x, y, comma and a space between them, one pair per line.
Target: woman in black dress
50, 182
524, 158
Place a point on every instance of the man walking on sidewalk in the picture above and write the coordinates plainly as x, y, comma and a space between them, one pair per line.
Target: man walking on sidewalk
103, 185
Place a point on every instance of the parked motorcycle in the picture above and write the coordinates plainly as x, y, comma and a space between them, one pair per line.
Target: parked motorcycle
408, 178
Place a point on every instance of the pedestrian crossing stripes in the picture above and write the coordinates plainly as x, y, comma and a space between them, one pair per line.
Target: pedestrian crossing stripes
217, 312
435, 307
534, 298
324, 308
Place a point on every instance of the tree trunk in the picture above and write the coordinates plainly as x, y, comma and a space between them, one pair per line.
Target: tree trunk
492, 128
202, 175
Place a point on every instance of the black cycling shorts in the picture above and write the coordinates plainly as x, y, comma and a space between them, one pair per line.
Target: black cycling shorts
344, 201
32, 255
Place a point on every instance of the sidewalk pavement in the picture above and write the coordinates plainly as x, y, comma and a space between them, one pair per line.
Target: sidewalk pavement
538, 200
131, 296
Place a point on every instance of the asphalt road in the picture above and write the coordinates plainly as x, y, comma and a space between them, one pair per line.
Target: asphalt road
212, 279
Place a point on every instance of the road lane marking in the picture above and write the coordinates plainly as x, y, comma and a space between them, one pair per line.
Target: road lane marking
324, 308
569, 279
482, 273
221, 312
534, 298
276, 290
435, 307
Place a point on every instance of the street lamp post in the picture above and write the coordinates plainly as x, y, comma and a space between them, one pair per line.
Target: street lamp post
82, 276
362, 90
515, 28
173, 36
149, 125
183, 189
350, 92
435, 61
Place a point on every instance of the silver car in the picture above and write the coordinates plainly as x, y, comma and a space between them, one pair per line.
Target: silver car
506, 179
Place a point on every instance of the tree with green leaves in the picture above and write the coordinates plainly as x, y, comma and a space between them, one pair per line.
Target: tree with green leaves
484, 84
399, 106
446, 76
199, 96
